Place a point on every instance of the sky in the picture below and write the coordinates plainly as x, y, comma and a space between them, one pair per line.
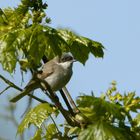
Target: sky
113, 23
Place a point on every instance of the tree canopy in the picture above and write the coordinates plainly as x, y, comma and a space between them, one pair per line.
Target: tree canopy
25, 34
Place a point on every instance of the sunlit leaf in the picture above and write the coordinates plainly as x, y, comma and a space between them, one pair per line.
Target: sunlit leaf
100, 107
74, 130
36, 116
80, 46
89, 113
137, 120
8, 55
54, 40
131, 102
51, 132
100, 130
23, 29
128, 98
37, 135
35, 45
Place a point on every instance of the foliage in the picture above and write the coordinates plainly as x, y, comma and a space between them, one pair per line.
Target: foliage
101, 118
25, 35
36, 116
102, 131
108, 116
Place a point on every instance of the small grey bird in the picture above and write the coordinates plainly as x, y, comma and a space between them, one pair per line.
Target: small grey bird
56, 72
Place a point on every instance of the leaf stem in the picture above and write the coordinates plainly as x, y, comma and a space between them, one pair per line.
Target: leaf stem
54, 123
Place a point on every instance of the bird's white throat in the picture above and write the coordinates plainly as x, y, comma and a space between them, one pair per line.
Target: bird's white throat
66, 65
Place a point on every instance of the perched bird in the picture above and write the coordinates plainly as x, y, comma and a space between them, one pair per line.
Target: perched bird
56, 72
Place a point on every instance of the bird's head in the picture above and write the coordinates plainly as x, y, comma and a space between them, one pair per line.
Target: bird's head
66, 59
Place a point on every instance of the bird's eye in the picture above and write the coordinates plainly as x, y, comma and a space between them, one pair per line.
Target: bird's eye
67, 58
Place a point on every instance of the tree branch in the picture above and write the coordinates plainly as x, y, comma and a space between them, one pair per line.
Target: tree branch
5, 90
12, 85
69, 118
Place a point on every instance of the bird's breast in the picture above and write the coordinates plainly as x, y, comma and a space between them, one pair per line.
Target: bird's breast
59, 78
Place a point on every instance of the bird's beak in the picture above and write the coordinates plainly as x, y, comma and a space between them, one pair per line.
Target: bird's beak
74, 60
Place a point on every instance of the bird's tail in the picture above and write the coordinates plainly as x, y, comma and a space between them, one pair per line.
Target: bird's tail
30, 87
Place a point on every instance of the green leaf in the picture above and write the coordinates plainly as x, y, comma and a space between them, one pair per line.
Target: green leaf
76, 45
54, 41
128, 98
31, 40
131, 103
80, 46
37, 135
74, 130
51, 132
79, 51
8, 57
36, 116
89, 113
103, 131
100, 107
96, 48
137, 120
8, 60
36, 44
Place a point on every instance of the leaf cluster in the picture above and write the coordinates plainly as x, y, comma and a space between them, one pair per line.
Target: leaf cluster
101, 118
25, 37
109, 116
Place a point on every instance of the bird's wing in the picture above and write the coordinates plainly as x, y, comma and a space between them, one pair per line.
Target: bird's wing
32, 85
47, 70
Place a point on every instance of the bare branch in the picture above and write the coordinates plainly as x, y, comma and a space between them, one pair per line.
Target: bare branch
38, 99
5, 90
12, 85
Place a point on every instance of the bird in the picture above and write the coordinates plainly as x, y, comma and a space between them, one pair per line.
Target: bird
56, 72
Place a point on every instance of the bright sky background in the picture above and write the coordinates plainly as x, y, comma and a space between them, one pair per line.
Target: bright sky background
116, 24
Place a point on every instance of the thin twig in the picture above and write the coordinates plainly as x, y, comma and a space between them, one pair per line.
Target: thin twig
54, 123
36, 98
5, 90
10, 83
